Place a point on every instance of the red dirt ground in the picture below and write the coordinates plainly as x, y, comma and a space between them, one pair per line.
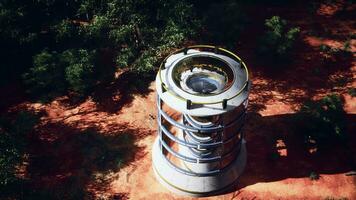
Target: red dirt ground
285, 178
274, 99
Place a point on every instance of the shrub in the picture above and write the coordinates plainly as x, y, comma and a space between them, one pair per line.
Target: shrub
323, 120
278, 41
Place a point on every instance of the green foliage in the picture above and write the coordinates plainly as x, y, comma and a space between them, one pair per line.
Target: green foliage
323, 120
278, 41
146, 62
137, 30
12, 144
64, 30
79, 72
314, 176
47, 72
96, 31
124, 57
72, 69
131, 31
172, 35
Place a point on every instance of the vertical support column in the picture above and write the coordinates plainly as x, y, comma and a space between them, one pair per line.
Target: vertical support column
222, 133
245, 104
159, 119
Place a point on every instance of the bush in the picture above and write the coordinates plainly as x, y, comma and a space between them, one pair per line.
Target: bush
323, 121
278, 41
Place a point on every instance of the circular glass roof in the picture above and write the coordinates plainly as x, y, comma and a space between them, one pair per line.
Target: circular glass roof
203, 75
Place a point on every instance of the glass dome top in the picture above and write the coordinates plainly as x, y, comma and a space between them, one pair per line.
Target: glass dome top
203, 75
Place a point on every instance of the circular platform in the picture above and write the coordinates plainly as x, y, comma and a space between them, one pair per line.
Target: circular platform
217, 78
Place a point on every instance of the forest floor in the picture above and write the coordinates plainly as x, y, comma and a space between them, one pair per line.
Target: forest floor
75, 142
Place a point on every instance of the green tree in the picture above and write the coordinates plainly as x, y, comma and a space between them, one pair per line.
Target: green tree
278, 41
135, 33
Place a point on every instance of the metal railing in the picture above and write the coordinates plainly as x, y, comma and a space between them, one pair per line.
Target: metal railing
163, 131
188, 127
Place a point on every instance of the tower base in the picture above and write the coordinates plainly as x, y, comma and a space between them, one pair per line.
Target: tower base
197, 186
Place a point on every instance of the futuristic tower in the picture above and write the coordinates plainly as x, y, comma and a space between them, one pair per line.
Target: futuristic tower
202, 96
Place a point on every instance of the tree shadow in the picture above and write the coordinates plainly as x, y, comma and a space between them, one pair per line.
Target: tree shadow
276, 151
113, 97
77, 164
10, 95
312, 73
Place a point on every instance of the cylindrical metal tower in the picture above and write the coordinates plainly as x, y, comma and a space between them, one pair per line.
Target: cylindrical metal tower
202, 96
